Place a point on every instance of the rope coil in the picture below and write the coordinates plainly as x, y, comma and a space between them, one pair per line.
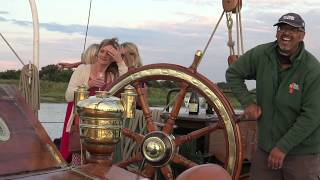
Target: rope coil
30, 87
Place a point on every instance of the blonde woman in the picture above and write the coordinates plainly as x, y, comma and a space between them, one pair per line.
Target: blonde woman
130, 54
88, 57
108, 66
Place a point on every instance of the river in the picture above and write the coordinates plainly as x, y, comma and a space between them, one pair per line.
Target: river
51, 116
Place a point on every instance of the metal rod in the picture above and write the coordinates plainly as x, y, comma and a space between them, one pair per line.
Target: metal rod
35, 21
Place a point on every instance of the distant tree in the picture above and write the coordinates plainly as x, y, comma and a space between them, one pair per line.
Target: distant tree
162, 84
153, 84
52, 73
169, 84
10, 74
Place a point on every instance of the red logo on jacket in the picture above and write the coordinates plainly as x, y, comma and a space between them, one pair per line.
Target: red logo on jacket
293, 86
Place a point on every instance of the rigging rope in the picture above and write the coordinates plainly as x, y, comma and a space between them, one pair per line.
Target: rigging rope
229, 26
12, 49
238, 32
213, 32
85, 39
30, 87
240, 27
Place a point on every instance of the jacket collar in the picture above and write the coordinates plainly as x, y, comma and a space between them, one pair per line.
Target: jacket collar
295, 58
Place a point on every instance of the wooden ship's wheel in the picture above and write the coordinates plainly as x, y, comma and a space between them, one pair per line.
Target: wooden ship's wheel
160, 148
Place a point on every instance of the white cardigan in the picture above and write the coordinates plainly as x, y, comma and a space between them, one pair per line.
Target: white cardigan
81, 76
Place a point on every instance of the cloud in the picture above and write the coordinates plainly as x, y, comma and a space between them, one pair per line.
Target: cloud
193, 2
17, 22
4, 12
282, 4
9, 65
176, 42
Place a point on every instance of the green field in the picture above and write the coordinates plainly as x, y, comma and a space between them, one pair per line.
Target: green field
53, 92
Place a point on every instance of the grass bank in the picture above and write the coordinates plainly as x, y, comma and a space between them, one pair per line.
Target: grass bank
50, 92
53, 92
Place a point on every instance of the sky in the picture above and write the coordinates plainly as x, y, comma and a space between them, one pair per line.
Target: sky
166, 31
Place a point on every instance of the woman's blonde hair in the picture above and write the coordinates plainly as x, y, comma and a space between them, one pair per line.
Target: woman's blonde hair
90, 54
132, 57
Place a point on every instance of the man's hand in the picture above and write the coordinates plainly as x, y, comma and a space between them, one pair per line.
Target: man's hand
275, 159
252, 112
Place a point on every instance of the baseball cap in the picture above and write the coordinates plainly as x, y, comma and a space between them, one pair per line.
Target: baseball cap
291, 19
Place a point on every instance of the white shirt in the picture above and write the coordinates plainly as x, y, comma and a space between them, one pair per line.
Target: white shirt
81, 75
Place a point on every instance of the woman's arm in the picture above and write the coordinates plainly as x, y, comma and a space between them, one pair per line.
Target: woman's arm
68, 65
79, 77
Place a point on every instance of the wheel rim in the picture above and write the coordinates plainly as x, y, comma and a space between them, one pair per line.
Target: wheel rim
206, 88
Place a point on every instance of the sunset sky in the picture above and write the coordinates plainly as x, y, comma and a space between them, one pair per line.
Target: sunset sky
164, 30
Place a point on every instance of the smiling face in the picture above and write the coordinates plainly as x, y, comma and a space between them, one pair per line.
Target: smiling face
288, 38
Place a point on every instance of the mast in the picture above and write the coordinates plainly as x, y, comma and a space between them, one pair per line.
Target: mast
35, 21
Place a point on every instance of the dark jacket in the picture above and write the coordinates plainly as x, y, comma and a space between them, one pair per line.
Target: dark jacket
290, 99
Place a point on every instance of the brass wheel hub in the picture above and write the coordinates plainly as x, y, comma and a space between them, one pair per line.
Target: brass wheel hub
157, 148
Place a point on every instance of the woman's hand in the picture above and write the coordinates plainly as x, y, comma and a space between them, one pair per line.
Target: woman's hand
115, 54
96, 83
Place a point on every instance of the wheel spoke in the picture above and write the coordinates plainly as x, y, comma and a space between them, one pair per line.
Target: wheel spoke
167, 172
135, 158
133, 135
175, 109
179, 159
196, 134
148, 171
145, 107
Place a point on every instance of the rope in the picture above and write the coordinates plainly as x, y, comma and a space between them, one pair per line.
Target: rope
12, 49
240, 27
229, 25
85, 39
30, 87
137, 124
238, 32
240, 49
213, 32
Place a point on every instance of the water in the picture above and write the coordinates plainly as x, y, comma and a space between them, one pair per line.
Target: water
51, 116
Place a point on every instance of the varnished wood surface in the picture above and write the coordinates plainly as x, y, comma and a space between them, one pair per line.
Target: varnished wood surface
29, 147
30, 154
89, 171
